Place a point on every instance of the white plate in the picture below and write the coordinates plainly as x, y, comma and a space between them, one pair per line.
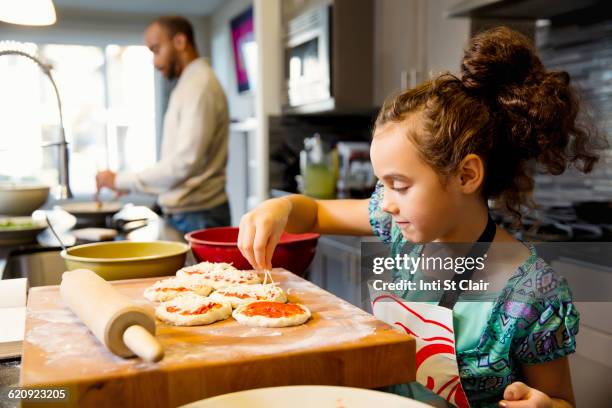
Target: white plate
16, 200
308, 396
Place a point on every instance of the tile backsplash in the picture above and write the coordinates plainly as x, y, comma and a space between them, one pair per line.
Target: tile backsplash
287, 135
585, 52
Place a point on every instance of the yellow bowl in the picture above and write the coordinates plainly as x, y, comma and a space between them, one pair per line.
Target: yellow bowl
126, 259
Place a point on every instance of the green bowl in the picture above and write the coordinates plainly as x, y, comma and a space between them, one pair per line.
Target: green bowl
126, 259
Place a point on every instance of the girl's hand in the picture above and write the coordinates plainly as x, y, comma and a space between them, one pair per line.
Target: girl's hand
519, 395
261, 229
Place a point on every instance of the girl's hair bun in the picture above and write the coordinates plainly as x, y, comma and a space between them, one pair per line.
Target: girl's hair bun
496, 59
506, 108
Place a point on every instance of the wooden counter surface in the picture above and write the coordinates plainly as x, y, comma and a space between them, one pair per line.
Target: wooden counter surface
340, 345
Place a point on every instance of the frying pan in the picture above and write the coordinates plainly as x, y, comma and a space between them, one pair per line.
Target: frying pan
89, 213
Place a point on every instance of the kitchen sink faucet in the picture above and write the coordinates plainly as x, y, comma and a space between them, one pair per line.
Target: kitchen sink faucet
63, 191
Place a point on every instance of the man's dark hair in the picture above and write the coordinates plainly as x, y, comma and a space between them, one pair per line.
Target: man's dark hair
175, 25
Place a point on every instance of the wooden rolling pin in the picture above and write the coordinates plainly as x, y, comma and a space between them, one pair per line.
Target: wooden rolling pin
124, 328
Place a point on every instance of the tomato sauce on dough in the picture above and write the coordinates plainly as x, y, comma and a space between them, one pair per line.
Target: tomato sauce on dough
171, 289
272, 309
200, 310
241, 295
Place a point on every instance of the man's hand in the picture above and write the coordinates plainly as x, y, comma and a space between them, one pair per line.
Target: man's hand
519, 395
105, 178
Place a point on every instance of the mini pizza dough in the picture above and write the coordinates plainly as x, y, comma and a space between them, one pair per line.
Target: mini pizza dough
206, 268
220, 275
192, 310
271, 314
240, 294
170, 288
230, 278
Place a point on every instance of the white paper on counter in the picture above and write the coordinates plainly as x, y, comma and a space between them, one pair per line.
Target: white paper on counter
12, 321
13, 292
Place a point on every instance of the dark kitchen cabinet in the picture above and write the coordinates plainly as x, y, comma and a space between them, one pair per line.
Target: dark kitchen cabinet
329, 56
337, 267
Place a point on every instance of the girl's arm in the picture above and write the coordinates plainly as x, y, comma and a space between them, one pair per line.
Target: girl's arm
261, 228
548, 385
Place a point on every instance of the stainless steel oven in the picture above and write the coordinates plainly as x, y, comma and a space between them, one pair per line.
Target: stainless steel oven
308, 71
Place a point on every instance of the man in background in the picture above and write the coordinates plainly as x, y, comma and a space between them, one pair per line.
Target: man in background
189, 178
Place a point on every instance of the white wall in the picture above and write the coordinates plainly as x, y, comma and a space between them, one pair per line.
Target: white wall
446, 38
241, 106
399, 41
414, 35
268, 34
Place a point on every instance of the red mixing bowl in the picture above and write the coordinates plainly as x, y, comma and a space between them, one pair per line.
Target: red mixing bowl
294, 252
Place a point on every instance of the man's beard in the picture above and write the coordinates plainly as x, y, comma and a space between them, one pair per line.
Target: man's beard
173, 71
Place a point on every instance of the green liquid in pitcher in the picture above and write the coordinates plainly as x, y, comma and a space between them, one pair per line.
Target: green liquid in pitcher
319, 181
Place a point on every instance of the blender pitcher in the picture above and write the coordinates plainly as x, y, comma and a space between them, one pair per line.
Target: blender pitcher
319, 168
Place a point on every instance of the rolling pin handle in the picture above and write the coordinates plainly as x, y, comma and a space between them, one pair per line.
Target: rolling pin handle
143, 343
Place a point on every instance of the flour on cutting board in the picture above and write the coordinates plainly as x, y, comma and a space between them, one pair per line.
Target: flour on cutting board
65, 340
234, 341
255, 332
314, 337
57, 340
55, 316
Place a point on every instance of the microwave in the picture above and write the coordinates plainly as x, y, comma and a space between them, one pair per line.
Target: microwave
308, 58
329, 59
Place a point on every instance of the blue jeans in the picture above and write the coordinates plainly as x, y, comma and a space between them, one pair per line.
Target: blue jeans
190, 221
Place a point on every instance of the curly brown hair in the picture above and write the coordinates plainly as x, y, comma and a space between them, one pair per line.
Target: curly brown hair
506, 108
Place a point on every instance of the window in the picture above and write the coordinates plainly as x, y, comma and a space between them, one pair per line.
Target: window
108, 105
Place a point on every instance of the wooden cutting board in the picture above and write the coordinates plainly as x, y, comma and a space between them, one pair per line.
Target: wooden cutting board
340, 345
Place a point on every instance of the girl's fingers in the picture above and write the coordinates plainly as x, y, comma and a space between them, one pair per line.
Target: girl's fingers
271, 247
516, 391
517, 404
241, 232
257, 236
518, 395
239, 239
259, 246
245, 242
